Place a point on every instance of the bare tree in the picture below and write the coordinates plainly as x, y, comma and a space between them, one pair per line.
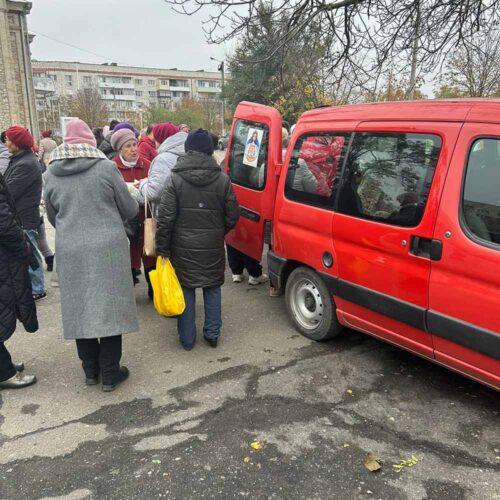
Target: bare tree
474, 69
371, 31
87, 105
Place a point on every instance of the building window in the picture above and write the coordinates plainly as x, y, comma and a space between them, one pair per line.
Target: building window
163, 82
480, 203
151, 82
69, 80
179, 83
54, 77
138, 81
213, 84
87, 80
139, 93
388, 177
314, 167
152, 93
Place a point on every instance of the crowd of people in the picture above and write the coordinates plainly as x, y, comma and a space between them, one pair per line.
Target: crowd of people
97, 186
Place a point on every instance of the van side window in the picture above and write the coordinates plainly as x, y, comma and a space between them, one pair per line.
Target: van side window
248, 155
314, 168
388, 177
481, 195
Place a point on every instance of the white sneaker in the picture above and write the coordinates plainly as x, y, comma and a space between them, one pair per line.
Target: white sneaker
263, 278
238, 278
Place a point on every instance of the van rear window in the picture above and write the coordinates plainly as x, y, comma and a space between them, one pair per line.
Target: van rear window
388, 177
248, 155
481, 196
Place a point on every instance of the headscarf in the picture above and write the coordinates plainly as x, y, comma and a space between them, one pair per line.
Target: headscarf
78, 132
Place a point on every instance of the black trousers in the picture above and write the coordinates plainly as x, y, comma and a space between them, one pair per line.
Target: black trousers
100, 355
238, 261
7, 369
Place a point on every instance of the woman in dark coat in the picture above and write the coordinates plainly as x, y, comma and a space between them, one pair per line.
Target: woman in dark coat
198, 207
16, 301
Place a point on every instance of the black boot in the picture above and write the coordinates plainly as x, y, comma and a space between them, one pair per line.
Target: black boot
150, 287
50, 263
110, 384
135, 279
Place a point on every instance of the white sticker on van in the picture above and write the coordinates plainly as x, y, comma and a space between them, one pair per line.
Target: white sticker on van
252, 147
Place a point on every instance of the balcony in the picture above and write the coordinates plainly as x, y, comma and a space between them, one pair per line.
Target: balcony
212, 90
112, 85
123, 97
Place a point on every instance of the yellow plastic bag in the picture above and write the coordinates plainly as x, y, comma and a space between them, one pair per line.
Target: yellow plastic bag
168, 296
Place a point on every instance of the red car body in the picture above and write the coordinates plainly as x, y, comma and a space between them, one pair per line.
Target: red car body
432, 286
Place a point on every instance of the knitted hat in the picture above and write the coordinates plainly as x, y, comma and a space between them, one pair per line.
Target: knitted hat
78, 132
163, 131
20, 136
47, 133
199, 140
126, 125
120, 137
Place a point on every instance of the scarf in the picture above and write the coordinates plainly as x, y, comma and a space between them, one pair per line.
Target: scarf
129, 164
67, 151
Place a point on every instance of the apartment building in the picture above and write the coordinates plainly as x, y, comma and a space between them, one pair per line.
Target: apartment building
124, 88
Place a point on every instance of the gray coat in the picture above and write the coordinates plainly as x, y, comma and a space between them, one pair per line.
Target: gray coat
4, 158
86, 201
161, 167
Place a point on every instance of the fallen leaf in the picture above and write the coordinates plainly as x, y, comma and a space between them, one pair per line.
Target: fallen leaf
246, 460
256, 445
156, 461
346, 445
372, 462
114, 472
349, 391
409, 462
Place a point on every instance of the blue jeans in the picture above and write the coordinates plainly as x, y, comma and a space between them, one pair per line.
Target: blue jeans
186, 322
37, 280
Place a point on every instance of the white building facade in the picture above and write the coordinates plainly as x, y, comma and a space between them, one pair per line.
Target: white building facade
125, 88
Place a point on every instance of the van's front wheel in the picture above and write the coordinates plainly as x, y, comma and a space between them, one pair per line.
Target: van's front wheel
310, 305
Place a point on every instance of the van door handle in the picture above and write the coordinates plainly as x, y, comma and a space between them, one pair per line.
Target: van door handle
426, 247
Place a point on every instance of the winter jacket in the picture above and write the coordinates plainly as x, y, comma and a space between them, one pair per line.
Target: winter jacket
106, 147
87, 201
47, 145
4, 158
16, 300
197, 209
147, 149
161, 168
24, 180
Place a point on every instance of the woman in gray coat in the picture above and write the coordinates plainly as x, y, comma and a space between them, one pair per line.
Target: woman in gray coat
87, 201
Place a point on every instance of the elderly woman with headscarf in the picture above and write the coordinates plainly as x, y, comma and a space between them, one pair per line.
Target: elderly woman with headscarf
45, 148
133, 169
87, 202
170, 142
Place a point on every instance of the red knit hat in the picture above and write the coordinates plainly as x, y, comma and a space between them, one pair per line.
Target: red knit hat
163, 131
47, 133
20, 136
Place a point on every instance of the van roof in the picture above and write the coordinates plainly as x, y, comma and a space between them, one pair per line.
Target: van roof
449, 110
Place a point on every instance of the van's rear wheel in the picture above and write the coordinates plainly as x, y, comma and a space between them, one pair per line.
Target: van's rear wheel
310, 305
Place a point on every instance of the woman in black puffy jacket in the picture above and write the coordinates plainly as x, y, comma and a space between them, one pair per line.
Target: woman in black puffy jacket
198, 207
16, 300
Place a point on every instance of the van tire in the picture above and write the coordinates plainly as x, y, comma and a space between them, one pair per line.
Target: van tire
310, 305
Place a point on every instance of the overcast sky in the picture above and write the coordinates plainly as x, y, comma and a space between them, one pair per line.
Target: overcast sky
131, 32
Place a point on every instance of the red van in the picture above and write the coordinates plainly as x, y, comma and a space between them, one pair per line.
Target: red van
380, 217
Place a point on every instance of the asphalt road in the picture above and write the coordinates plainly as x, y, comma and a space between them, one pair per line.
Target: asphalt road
182, 425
